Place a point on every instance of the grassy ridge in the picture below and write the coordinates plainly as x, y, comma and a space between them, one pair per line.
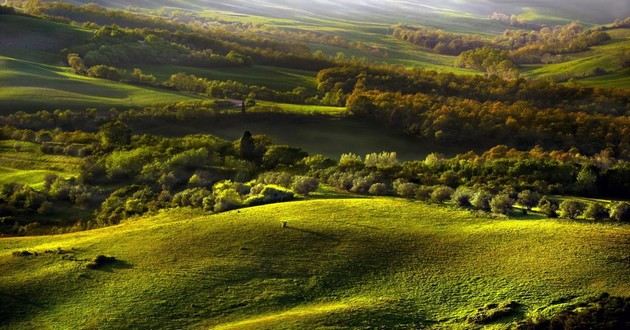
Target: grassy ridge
30, 86
28, 165
346, 262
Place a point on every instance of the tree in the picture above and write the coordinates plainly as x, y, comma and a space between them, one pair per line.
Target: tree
304, 185
76, 63
481, 200
378, 189
105, 72
441, 194
620, 212
501, 204
462, 196
114, 134
571, 209
548, 207
247, 147
528, 199
596, 211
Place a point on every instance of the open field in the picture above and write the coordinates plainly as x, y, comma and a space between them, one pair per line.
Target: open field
347, 262
28, 165
581, 66
30, 86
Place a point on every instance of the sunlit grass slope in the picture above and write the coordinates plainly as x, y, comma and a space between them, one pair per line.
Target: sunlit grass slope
24, 163
339, 263
31, 86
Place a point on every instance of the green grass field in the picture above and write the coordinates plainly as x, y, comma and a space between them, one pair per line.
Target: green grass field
31, 86
28, 165
350, 263
580, 66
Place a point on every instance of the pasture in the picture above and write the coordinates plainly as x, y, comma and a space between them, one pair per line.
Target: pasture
366, 262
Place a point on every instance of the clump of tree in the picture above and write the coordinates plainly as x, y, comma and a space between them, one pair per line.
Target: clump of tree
439, 41
494, 62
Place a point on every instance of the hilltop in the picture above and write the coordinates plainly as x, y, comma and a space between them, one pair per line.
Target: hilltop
344, 263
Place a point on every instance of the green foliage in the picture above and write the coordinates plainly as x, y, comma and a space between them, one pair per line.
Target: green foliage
304, 185
105, 72
528, 199
571, 209
463, 197
596, 211
442, 194
620, 212
501, 204
114, 134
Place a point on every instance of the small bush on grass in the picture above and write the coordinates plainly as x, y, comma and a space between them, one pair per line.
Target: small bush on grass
620, 212
596, 211
102, 261
501, 204
571, 209
462, 197
441, 194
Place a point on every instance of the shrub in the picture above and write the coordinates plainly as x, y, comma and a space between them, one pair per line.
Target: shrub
283, 179
596, 211
620, 212
407, 190
423, 193
441, 194
274, 194
481, 200
381, 161
462, 197
548, 207
361, 185
501, 204
571, 209
528, 199
101, 261
350, 161
378, 189
226, 200
304, 185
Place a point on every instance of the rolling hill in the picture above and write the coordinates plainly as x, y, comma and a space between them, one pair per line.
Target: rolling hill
345, 263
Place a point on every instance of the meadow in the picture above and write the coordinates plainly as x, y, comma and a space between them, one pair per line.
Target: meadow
347, 262
24, 163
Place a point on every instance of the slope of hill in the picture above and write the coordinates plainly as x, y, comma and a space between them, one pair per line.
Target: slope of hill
396, 11
345, 263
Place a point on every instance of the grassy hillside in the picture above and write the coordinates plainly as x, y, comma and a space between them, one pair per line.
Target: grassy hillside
28, 165
581, 66
346, 262
31, 86
33, 78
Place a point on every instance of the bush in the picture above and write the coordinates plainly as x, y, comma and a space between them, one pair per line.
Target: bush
481, 200
596, 211
548, 207
101, 261
620, 212
304, 185
423, 193
501, 204
462, 197
407, 190
441, 194
378, 189
571, 209
528, 199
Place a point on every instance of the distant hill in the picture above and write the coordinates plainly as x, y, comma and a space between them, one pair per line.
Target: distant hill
390, 10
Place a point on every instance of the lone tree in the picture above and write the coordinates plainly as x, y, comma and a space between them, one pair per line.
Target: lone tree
248, 146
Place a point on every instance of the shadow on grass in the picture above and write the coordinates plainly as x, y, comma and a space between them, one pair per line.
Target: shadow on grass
313, 233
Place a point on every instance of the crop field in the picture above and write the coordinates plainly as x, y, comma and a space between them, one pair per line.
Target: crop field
347, 262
